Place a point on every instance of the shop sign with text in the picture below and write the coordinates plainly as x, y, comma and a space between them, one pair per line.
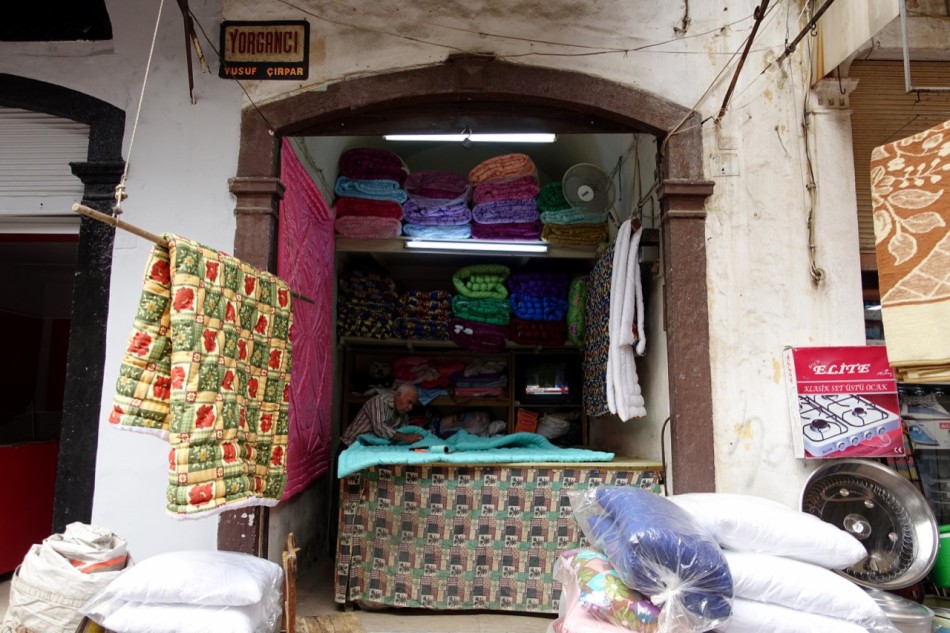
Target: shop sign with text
265, 50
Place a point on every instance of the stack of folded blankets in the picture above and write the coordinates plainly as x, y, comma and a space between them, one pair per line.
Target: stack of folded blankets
370, 194
562, 224
504, 192
366, 304
481, 378
423, 315
437, 206
480, 308
539, 304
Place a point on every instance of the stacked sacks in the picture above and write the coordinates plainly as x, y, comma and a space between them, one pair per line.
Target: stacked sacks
780, 561
366, 305
539, 304
480, 308
370, 194
437, 207
423, 316
504, 192
561, 224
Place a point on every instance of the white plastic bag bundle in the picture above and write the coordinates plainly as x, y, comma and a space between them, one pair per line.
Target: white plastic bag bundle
59, 575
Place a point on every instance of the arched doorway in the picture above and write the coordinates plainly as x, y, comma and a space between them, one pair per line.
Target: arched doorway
497, 94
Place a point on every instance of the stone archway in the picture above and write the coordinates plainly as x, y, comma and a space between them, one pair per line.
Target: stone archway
484, 87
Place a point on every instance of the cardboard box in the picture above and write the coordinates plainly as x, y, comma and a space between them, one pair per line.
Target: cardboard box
843, 402
526, 421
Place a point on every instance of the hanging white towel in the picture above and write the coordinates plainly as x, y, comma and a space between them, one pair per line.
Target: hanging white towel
624, 397
617, 276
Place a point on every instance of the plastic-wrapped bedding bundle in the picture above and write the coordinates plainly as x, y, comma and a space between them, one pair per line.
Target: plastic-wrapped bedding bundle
476, 336
661, 551
501, 168
368, 163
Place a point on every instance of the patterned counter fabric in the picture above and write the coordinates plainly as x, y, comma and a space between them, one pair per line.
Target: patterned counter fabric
463, 537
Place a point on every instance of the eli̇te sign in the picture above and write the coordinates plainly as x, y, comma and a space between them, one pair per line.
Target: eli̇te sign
265, 50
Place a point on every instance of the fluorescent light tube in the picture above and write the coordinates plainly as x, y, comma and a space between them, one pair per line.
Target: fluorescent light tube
476, 138
502, 247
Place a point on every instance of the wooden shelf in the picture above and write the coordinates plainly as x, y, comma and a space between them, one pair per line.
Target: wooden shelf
397, 245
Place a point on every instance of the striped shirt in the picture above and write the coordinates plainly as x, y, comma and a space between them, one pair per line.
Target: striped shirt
378, 416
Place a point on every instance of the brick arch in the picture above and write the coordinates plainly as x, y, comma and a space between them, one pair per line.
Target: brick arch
487, 89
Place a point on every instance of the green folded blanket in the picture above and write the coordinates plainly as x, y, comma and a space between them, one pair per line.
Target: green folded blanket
482, 281
494, 311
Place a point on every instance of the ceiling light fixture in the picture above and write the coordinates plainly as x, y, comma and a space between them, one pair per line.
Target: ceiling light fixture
476, 138
472, 245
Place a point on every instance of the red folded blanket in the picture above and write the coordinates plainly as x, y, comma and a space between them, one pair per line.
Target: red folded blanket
504, 167
547, 333
371, 163
349, 207
444, 185
368, 227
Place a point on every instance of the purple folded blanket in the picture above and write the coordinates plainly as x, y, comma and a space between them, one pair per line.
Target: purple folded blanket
518, 189
369, 163
506, 211
520, 232
451, 215
539, 284
477, 337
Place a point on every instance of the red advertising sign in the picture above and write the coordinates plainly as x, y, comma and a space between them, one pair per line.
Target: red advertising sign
843, 402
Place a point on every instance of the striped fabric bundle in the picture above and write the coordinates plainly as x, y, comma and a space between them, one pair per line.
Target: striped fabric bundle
452, 214
574, 234
438, 185
477, 337
519, 232
368, 163
494, 311
546, 333
517, 189
457, 232
538, 308
373, 189
506, 211
504, 167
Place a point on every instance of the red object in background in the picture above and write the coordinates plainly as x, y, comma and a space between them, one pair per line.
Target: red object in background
29, 503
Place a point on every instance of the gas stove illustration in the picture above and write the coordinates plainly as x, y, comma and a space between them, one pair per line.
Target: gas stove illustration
835, 422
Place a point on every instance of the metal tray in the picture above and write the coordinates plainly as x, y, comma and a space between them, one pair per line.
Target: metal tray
884, 511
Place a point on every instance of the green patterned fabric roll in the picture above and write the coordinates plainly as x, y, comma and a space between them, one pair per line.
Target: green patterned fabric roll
576, 309
482, 281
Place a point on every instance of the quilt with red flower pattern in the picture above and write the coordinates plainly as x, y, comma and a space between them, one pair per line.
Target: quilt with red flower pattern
208, 368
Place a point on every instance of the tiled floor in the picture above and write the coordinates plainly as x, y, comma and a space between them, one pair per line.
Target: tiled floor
315, 597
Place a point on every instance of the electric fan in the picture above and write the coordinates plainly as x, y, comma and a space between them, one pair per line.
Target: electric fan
588, 189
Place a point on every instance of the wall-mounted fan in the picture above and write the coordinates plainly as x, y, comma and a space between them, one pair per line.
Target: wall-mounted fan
588, 189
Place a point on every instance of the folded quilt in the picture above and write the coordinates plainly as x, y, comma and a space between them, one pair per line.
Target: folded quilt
477, 337
551, 198
373, 189
370, 163
369, 285
444, 185
439, 215
419, 329
420, 303
208, 367
494, 311
538, 308
504, 167
361, 207
463, 448
570, 216
517, 189
520, 232
506, 211
365, 322
573, 234
482, 281
546, 333
539, 284
367, 227
449, 232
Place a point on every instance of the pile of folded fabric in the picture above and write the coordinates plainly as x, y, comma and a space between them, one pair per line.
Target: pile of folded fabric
437, 206
504, 195
539, 304
481, 378
366, 304
562, 224
480, 309
423, 316
370, 194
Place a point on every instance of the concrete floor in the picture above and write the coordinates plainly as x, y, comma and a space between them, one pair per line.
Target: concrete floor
315, 597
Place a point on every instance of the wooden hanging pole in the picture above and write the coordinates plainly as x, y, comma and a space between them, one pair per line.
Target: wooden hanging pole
151, 237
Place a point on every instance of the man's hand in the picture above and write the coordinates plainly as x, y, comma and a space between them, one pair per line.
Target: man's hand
408, 438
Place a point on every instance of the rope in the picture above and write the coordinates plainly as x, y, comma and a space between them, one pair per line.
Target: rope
120, 188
